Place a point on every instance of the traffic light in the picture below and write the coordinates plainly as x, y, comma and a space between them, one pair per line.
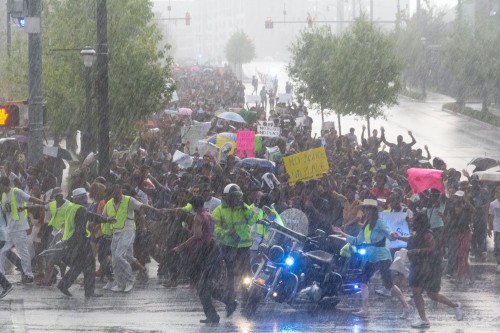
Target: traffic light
269, 22
9, 116
309, 20
188, 18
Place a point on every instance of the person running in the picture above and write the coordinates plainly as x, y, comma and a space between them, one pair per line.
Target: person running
4, 283
494, 226
375, 232
425, 269
79, 255
13, 204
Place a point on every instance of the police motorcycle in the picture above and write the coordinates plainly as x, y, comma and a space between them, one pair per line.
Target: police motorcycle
304, 272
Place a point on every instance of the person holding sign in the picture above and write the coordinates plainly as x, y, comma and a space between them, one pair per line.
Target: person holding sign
374, 234
425, 269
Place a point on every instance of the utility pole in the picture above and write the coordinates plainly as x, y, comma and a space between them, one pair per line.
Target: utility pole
35, 99
102, 88
9, 33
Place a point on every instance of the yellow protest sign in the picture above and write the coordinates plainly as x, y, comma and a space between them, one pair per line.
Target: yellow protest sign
307, 165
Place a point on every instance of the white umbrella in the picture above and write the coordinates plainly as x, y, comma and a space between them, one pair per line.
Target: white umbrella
231, 116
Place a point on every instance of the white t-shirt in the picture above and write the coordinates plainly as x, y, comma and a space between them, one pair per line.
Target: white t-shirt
211, 204
21, 197
495, 211
133, 205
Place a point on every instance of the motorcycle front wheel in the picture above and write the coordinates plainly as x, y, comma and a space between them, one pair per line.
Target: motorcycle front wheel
255, 296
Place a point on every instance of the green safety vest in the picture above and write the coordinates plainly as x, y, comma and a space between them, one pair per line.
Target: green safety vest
120, 215
57, 215
262, 229
13, 205
69, 225
233, 225
367, 234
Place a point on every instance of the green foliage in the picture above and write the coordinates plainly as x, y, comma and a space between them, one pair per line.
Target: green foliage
309, 64
137, 70
364, 72
240, 49
14, 82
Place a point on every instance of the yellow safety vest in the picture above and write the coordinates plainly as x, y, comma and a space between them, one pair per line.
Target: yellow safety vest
57, 215
69, 225
13, 205
261, 229
367, 234
233, 225
120, 215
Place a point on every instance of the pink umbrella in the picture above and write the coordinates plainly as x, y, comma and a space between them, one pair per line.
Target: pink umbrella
185, 111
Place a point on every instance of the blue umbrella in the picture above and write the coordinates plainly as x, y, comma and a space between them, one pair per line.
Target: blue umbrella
253, 163
231, 116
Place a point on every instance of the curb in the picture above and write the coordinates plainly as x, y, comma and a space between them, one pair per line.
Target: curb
478, 122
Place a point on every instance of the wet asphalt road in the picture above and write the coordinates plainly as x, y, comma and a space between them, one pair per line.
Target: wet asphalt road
153, 308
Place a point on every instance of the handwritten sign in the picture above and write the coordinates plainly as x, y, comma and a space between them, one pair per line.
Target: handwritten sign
307, 165
183, 160
396, 222
285, 98
267, 128
253, 99
245, 144
192, 134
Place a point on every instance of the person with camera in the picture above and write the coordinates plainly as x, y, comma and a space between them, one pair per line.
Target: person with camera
13, 204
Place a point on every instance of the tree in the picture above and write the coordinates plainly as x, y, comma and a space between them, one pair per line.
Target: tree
308, 66
240, 50
364, 72
137, 70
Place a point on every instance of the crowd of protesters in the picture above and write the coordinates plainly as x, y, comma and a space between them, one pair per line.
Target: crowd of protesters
144, 209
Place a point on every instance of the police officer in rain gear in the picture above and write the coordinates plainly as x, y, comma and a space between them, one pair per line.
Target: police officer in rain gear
233, 221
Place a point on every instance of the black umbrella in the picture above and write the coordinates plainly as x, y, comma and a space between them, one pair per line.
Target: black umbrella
483, 163
58, 152
254, 163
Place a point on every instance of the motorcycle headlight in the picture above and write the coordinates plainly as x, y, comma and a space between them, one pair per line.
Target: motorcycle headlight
247, 280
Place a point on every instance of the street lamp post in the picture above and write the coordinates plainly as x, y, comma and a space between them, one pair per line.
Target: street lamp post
87, 139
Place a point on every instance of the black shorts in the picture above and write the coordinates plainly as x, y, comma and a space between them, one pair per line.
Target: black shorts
426, 276
371, 268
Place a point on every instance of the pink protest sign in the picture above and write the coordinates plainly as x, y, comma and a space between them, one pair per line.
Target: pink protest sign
423, 179
245, 144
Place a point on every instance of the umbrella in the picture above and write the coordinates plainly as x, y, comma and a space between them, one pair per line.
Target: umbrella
20, 138
222, 137
490, 175
231, 116
56, 252
150, 123
253, 163
58, 152
184, 111
483, 163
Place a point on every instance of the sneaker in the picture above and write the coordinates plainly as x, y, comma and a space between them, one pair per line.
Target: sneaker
231, 307
383, 292
214, 320
407, 313
421, 324
116, 288
27, 279
108, 285
459, 314
498, 269
6, 291
361, 314
128, 287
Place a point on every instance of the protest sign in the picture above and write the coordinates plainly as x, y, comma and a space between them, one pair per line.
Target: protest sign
253, 99
267, 128
190, 135
284, 98
328, 125
245, 144
423, 179
183, 160
307, 165
396, 222
205, 147
273, 154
